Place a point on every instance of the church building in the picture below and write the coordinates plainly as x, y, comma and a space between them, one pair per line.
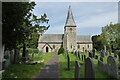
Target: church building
69, 40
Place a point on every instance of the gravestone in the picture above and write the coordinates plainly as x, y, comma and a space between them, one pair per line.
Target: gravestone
16, 56
106, 53
73, 52
96, 57
7, 62
83, 58
89, 69
32, 54
112, 67
78, 55
101, 59
93, 51
102, 54
77, 70
68, 62
12, 56
90, 54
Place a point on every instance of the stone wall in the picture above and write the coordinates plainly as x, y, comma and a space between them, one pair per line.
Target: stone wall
70, 34
110, 68
85, 47
42, 47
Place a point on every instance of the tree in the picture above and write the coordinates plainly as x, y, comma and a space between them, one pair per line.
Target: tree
13, 14
111, 36
19, 23
97, 42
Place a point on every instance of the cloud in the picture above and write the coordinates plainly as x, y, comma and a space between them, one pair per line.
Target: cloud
99, 20
87, 15
75, 0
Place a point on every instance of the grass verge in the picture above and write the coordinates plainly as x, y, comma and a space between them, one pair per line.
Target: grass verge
20, 71
64, 73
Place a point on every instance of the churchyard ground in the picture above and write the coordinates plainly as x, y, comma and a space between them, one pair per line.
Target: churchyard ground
29, 71
26, 70
64, 73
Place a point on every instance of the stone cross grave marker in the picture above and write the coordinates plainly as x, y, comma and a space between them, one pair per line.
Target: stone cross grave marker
113, 68
89, 69
77, 70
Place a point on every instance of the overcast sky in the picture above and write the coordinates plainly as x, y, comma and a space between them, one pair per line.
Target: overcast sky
89, 16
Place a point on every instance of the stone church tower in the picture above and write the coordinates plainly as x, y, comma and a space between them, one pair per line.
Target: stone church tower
70, 42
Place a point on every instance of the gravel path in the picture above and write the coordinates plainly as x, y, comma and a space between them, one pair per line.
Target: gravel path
51, 69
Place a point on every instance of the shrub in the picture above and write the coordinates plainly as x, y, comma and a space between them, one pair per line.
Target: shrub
61, 51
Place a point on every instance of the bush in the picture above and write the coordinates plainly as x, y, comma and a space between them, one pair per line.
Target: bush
61, 51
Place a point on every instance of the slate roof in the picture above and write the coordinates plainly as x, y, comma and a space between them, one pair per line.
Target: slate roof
59, 38
84, 38
70, 20
51, 38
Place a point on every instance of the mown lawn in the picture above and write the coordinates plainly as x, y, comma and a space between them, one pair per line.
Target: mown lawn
64, 73
27, 71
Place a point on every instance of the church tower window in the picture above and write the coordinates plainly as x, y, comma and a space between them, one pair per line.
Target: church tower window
78, 46
71, 46
70, 29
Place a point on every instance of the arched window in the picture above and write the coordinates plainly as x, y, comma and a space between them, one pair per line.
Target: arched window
88, 45
70, 29
78, 46
47, 49
53, 46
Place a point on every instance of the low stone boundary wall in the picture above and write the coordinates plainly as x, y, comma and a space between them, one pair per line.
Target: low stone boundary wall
110, 68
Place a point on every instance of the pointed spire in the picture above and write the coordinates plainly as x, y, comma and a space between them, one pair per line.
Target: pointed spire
70, 21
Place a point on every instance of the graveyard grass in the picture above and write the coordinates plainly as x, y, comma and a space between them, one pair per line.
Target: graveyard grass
25, 70
64, 73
